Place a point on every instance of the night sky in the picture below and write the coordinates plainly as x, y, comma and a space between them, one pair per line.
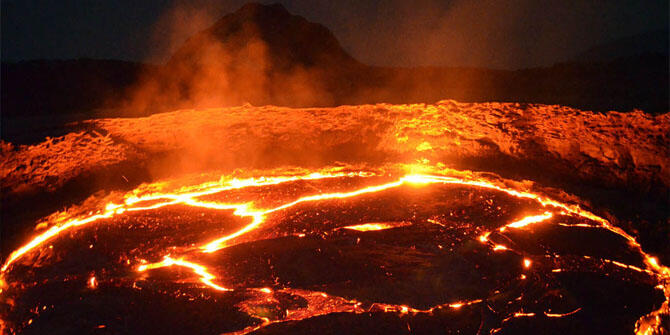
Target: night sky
496, 34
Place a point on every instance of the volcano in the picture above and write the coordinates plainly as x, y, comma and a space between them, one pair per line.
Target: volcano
260, 54
264, 55
277, 214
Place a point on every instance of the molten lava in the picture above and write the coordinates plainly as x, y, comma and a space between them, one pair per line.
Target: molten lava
201, 259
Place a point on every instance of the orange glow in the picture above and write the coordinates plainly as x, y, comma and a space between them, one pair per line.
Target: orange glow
652, 322
152, 196
54, 231
92, 283
560, 315
528, 220
245, 210
526, 262
520, 315
200, 270
259, 215
370, 227
627, 266
184, 196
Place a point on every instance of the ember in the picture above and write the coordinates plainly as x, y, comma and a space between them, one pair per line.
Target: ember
274, 222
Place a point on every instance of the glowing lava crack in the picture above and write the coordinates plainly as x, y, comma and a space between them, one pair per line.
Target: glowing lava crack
151, 197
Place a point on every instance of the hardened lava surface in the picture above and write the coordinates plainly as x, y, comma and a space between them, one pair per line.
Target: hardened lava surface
404, 249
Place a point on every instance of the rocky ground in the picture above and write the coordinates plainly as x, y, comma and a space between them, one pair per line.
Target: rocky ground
617, 148
618, 162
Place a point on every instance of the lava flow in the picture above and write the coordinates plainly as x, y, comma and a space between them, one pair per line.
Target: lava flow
434, 248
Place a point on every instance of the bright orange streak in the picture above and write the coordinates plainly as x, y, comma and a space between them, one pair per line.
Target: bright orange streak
258, 219
583, 225
559, 315
54, 231
205, 276
406, 309
243, 210
550, 315
519, 314
528, 220
370, 227
627, 266
259, 215
233, 184
189, 196
333, 304
171, 199
572, 209
408, 179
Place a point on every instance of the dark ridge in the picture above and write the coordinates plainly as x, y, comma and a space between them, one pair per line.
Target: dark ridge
292, 40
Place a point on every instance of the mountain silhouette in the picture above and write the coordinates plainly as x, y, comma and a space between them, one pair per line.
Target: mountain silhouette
259, 54
291, 40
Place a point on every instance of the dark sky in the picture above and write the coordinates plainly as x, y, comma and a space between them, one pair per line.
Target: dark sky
490, 33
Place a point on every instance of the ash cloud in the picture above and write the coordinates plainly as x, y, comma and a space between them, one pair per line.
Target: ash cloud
263, 54
259, 55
